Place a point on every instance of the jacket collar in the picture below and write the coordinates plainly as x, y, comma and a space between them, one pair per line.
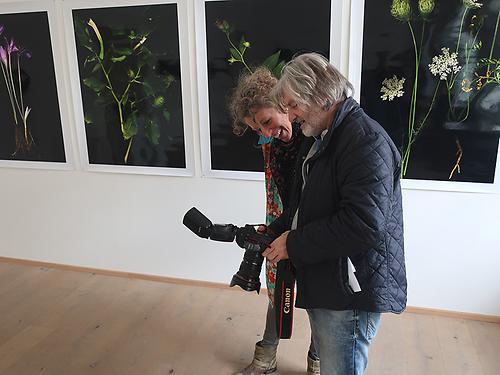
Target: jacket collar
347, 107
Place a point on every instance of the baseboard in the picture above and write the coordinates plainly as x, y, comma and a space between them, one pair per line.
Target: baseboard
208, 284
124, 274
454, 314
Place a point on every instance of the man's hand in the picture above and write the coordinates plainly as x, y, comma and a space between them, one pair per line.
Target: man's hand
277, 250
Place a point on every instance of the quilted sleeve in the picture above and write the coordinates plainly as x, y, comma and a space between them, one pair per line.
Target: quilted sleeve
366, 175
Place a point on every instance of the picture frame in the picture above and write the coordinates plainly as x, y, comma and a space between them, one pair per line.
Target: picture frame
178, 162
48, 140
337, 54
356, 35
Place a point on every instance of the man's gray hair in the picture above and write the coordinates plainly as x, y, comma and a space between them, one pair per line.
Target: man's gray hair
311, 79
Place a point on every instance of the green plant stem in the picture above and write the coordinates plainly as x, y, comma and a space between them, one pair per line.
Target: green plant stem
110, 85
128, 150
413, 103
417, 71
242, 60
448, 88
468, 52
460, 31
13, 86
119, 102
25, 118
467, 58
471, 48
20, 84
494, 40
5, 76
120, 113
110, 88
130, 84
466, 113
422, 123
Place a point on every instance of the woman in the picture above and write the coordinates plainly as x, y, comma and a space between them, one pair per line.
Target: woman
251, 107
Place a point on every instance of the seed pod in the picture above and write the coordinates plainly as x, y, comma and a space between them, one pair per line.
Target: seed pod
401, 10
425, 7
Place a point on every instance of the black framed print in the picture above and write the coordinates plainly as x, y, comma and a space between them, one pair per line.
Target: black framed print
429, 72
239, 35
33, 119
131, 85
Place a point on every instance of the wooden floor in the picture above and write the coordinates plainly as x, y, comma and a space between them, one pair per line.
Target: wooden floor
69, 323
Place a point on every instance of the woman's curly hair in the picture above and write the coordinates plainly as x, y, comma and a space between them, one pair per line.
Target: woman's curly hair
251, 94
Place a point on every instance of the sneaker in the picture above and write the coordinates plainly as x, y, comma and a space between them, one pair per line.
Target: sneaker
312, 365
263, 363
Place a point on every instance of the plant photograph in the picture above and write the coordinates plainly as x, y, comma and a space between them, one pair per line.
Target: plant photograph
30, 121
240, 36
431, 77
129, 66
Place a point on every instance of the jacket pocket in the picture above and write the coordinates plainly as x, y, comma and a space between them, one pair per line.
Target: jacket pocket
343, 276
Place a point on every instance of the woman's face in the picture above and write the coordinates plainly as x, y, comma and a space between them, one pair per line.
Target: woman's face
270, 122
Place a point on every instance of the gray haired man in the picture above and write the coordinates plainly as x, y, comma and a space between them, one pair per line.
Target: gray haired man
343, 229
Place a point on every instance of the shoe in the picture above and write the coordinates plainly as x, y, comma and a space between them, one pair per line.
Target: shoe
312, 365
263, 363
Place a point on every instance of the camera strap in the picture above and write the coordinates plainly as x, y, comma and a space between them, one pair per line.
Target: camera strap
284, 298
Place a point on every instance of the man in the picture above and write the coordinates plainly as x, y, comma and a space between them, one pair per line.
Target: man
251, 107
343, 228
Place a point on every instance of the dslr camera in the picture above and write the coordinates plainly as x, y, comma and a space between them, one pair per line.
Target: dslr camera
248, 275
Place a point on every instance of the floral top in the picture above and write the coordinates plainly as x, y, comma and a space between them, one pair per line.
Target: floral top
279, 160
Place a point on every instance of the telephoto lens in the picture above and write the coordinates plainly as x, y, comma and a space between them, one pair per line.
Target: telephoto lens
248, 275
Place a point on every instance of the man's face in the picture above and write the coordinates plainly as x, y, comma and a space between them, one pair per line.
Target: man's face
312, 120
270, 122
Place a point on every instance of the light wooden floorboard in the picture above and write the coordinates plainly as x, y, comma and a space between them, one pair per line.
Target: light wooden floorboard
57, 322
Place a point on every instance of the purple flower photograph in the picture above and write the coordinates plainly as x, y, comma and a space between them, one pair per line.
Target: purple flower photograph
30, 123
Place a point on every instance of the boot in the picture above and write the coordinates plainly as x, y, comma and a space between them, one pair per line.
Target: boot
264, 362
312, 365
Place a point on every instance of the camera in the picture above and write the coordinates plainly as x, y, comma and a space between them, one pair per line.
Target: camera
248, 275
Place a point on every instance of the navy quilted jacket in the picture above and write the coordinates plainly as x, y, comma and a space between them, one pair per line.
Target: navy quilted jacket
349, 207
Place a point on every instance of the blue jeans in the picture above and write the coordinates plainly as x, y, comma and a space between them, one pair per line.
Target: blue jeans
271, 338
342, 339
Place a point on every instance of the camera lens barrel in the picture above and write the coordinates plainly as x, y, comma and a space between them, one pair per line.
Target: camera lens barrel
248, 275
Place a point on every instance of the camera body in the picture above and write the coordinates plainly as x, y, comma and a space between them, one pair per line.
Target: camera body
248, 275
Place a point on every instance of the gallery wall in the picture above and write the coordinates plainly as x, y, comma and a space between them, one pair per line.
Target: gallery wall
132, 222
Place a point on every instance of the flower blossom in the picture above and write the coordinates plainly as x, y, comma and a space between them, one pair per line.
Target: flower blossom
223, 26
472, 4
392, 88
401, 10
444, 64
425, 7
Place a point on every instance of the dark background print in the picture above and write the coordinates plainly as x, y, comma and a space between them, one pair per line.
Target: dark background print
388, 50
31, 31
289, 26
105, 141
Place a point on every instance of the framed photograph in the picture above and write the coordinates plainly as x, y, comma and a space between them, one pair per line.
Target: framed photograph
130, 81
239, 35
429, 73
33, 122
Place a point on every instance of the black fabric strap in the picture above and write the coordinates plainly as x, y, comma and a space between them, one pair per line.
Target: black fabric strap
284, 294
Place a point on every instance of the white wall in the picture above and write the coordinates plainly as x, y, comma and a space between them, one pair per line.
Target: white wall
134, 223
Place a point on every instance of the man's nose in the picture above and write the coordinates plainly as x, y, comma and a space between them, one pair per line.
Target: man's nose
291, 116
